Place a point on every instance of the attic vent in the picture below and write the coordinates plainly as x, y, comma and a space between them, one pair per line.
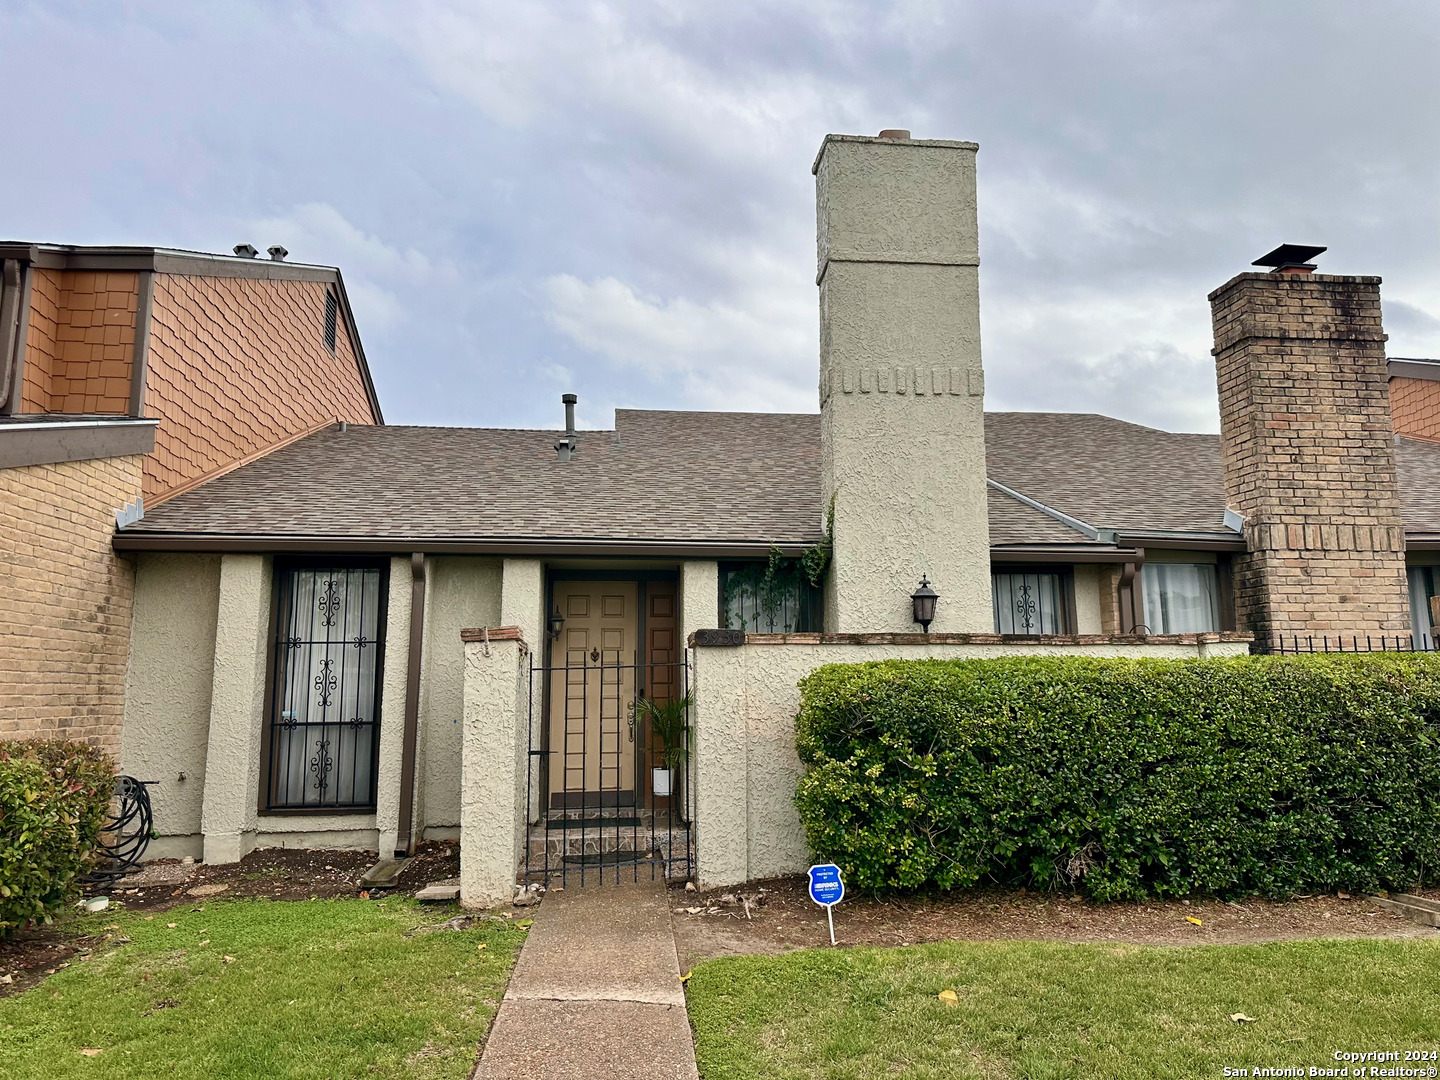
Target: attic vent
332, 314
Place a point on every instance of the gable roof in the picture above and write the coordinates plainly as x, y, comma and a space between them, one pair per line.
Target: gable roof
723, 484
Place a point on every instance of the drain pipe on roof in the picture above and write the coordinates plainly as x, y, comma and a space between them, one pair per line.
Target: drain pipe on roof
405, 837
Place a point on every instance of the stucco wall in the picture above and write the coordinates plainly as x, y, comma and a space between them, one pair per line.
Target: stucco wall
392, 706
745, 765
699, 597
167, 690
460, 592
1088, 601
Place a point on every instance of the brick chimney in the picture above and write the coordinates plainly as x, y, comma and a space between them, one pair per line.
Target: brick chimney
1309, 453
901, 386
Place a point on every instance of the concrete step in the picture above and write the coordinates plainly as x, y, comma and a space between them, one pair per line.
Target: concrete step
1415, 908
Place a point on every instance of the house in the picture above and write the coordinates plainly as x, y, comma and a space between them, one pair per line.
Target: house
374, 635
127, 376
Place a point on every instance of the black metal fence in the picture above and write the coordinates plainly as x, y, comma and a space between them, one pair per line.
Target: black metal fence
608, 794
1291, 644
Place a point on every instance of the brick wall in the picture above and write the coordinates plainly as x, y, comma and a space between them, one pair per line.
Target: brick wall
1415, 407
81, 342
65, 616
1309, 454
237, 365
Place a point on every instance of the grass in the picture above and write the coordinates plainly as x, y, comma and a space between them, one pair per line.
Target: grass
1046, 1011
330, 988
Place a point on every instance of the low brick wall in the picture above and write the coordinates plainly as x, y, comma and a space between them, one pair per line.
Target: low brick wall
67, 599
746, 695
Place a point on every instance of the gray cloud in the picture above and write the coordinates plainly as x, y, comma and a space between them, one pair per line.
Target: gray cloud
615, 198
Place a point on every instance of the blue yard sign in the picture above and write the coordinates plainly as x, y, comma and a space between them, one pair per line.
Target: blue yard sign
827, 889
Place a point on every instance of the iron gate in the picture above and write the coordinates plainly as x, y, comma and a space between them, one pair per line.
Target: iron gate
608, 794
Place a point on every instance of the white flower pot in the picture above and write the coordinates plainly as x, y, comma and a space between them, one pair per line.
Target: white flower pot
660, 781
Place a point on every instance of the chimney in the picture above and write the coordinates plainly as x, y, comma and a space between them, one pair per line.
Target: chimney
901, 387
245, 251
277, 253
1309, 451
569, 445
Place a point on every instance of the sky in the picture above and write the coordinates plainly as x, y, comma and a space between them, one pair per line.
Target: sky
615, 199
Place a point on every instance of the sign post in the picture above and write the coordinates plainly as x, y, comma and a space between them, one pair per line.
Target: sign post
827, 889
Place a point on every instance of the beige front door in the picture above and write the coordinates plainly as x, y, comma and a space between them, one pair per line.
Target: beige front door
592, 695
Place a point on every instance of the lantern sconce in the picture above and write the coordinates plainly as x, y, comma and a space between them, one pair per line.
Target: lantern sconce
556, 621
922, 603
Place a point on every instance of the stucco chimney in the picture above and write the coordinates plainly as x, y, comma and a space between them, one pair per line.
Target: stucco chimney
901, 386
1309, 454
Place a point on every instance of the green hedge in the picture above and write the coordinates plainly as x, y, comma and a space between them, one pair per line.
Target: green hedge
54, 800
1126, 778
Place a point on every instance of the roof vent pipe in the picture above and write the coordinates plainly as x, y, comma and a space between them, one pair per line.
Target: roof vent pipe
567, 447
277, 252
246, 251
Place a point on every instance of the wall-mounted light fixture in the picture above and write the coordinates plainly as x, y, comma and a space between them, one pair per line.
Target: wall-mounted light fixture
922, 603
556, 622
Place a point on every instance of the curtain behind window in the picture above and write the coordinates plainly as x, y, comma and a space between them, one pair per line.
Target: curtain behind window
1028, 603
330, 637
1180, 598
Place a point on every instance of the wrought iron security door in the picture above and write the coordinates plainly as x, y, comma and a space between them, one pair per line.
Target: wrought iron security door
609, 795
329, 651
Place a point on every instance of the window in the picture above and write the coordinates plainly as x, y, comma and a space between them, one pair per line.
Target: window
761, 601
1030, 601
1424, 588
332, 317
1180, 598
329, 652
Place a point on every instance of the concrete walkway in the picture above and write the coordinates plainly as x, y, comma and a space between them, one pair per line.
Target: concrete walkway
596, 993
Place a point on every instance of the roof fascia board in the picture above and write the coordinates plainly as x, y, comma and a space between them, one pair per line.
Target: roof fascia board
1404, 368
166, 261
1183, 541
49, 443
1062, 553
141, 541
1422, 541
1084, 528
359, 350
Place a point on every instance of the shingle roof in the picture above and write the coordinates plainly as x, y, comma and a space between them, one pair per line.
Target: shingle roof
696, 478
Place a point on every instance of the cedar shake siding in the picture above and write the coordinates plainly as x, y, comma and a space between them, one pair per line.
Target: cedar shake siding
81, 342
65, 620
1415, 407
236, 366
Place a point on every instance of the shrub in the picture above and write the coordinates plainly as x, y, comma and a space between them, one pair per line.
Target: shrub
1126, 778
54, 801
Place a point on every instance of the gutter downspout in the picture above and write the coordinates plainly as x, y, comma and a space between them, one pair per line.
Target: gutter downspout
405, 835
1132, 598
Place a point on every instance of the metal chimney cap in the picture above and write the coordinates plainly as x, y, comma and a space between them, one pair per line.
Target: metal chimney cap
277, 252
894, 133
569, 399
1289, 255
246, 251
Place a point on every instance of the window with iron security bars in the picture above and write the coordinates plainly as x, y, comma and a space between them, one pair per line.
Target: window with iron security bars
1031, 602
328, 655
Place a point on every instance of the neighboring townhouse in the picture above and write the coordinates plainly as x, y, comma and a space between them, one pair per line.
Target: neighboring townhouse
397, 633
129, 375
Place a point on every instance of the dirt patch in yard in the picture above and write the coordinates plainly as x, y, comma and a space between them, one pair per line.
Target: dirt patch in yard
782, 917
273, 873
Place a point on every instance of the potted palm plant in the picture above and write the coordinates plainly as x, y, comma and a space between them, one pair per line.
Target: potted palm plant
668, 728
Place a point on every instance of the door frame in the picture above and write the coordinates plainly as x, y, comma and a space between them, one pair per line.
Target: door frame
641, 578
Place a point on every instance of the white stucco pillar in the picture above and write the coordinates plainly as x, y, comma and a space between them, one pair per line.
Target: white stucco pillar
699, 597
237, 709
492, 776
522, 598
720, 767
392, 707
902, 424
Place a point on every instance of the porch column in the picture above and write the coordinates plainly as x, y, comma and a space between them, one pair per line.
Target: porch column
237, 709
522, 605
494, 762
699, 597
720, 766
392, 707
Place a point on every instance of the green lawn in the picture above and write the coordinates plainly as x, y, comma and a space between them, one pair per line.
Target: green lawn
1039, 1010
334, 988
